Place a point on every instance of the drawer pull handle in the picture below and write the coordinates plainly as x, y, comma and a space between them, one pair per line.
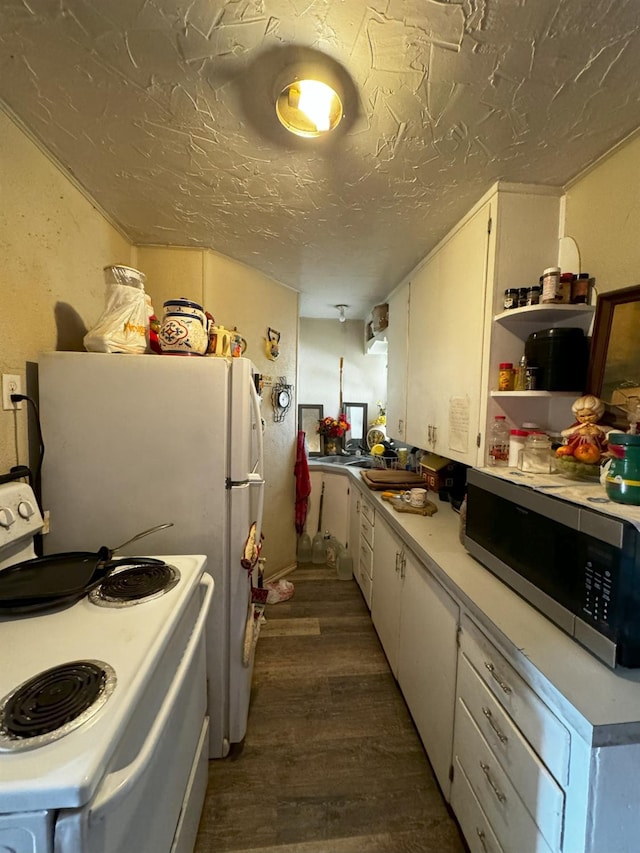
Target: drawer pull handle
496, 790
495, 675
482, 837
502, 737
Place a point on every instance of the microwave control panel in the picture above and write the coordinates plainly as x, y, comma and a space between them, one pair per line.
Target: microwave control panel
598, 590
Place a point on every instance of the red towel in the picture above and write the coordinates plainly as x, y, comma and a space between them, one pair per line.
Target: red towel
303, 483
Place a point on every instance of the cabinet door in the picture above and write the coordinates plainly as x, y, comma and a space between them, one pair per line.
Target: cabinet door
313, 509
335, 507
426, 344
387, 587
427, 661
446, 337
397, 361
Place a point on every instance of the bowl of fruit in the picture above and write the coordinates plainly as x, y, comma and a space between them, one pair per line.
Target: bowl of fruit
579, 459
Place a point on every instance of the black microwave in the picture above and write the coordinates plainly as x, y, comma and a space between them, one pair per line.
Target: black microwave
577, 566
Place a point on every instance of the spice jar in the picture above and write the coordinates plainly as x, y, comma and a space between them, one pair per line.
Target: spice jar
523, 293
533, 295
537, 454
566, 284
505, 376
581, 288
551, 285
510, 298
531, 378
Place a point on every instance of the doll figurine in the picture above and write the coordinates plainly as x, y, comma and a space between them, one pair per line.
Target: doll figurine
586, 439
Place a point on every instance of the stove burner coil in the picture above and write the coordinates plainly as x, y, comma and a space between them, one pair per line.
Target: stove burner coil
135, 583
53, 703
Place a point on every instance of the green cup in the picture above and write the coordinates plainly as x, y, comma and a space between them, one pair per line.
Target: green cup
623, 478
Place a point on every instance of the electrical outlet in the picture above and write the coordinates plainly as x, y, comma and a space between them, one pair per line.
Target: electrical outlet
11, 384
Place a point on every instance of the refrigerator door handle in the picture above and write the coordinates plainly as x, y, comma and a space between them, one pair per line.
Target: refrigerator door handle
256, 477
255, 404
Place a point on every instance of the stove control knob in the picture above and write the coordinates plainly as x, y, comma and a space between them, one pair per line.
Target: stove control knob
26, 510
6, 517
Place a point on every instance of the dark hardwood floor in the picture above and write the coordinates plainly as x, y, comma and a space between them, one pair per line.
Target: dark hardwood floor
331, 762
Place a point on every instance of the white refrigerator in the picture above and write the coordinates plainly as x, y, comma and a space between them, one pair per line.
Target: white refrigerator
132, 441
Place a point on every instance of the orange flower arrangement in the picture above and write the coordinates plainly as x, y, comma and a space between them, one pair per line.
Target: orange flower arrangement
333, 427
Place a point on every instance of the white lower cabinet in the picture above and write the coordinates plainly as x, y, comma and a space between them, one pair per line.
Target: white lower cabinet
427, 663
388, 576
363, 558
416, 621
510, 751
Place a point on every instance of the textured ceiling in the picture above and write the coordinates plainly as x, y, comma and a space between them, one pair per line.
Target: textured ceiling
162, 110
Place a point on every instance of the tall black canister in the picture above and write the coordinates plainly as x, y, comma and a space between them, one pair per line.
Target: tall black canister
561, 356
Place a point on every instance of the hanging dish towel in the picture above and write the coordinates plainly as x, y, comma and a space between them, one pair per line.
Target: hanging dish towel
303, 483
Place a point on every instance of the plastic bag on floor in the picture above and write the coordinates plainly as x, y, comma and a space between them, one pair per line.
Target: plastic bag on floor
280, 591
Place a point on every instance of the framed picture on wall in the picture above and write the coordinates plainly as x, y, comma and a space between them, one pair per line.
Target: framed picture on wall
309, 415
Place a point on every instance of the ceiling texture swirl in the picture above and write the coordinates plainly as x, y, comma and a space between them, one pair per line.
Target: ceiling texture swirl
163, 111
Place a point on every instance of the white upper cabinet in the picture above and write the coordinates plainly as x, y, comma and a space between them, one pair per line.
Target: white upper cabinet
505, 241
397, 362
446, 324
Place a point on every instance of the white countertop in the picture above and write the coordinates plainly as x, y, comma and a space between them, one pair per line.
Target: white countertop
603, 705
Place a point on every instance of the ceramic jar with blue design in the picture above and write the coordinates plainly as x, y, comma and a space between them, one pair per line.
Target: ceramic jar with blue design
184, 328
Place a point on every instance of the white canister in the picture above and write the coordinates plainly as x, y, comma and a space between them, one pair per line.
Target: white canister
183, 334
517, 439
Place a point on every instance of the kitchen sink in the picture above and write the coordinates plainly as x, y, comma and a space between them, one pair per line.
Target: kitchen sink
347, 459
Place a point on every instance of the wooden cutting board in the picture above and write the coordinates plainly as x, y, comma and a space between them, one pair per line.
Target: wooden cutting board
385, 479
401, 505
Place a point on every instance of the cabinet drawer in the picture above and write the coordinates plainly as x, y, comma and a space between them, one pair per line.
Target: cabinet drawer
368, 512
473, 821
366, 557
365, 583
539, 725
514, 827
367, 522
536, 787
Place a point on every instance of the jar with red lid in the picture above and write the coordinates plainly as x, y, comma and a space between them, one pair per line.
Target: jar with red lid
564, 290
505, 376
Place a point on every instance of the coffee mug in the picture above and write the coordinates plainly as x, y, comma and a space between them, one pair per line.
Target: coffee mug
415, 497
219, 342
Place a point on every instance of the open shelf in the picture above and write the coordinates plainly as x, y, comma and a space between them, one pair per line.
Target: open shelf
533, 394
545, 315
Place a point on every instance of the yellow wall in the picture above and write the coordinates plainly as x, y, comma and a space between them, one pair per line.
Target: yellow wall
603, 217
54, 244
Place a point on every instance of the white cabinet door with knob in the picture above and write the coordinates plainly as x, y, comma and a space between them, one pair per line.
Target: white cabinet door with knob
397, 362
427, 659
388, 575
446, 323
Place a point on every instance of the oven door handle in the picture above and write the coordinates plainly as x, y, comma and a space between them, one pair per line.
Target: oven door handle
120, 783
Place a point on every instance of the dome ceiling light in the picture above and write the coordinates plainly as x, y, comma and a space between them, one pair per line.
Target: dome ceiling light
309, 105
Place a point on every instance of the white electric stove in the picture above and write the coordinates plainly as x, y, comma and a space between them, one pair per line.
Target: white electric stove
103, 717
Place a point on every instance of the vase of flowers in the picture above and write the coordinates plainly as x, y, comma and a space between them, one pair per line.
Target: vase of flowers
331, 432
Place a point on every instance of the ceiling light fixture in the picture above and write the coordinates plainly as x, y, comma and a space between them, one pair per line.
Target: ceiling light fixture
310, 103
341, 308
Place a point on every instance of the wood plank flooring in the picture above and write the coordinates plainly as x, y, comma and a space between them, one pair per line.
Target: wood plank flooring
331, 762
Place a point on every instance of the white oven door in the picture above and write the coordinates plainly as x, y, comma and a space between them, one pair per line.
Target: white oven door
150, 800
